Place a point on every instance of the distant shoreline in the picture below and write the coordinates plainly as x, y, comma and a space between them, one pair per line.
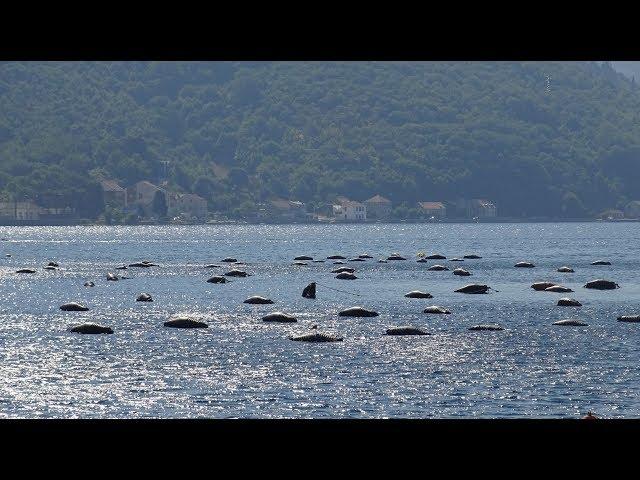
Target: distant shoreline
387, 222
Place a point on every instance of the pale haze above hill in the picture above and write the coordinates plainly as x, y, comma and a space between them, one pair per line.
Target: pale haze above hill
629, 68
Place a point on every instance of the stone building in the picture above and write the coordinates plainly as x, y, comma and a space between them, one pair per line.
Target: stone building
114, 194
378, 207
433, 209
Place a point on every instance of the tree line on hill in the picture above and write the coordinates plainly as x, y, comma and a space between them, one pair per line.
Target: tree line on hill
554, 139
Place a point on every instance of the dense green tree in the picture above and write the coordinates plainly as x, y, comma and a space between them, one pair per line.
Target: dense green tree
131, 219
245, 209
238, 177
204, 186
572, 207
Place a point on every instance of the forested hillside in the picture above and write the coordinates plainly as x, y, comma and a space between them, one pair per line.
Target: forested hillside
539, 139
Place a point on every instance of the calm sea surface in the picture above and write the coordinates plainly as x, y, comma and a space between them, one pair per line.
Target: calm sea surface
242, 367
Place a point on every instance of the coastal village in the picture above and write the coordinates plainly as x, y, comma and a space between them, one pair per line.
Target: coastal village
147, 203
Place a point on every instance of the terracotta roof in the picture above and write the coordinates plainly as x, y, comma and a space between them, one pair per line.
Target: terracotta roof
146, 183
431, 205
111, 186
378, 199
193, 196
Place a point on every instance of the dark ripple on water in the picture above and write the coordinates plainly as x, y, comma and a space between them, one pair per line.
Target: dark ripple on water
242, 367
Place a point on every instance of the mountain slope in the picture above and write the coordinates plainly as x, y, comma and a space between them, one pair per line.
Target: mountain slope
556, 139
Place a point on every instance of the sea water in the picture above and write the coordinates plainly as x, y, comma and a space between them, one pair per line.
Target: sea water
241, 367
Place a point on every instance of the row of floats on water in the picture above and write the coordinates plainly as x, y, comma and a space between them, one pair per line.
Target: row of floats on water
348, 273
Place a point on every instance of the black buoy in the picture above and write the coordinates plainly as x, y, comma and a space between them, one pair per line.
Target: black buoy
309, 291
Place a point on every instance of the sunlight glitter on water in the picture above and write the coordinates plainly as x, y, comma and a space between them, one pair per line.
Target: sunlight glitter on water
242, 367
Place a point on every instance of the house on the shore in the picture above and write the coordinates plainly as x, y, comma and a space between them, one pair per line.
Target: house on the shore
33, 210
285, 209
55, 207
113, 194
188, 204
433, 209
611, 214
632, 209
140, 197
143, 192
458, 208
324, 211
482, 208
57, 213
7, 210
378, 207
23, 210
349, 210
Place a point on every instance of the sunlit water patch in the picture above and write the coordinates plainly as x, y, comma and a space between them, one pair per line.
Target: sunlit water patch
242, 367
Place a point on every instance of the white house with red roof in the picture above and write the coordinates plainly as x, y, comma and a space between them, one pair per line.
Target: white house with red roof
434, 209
378, 207
350, 210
